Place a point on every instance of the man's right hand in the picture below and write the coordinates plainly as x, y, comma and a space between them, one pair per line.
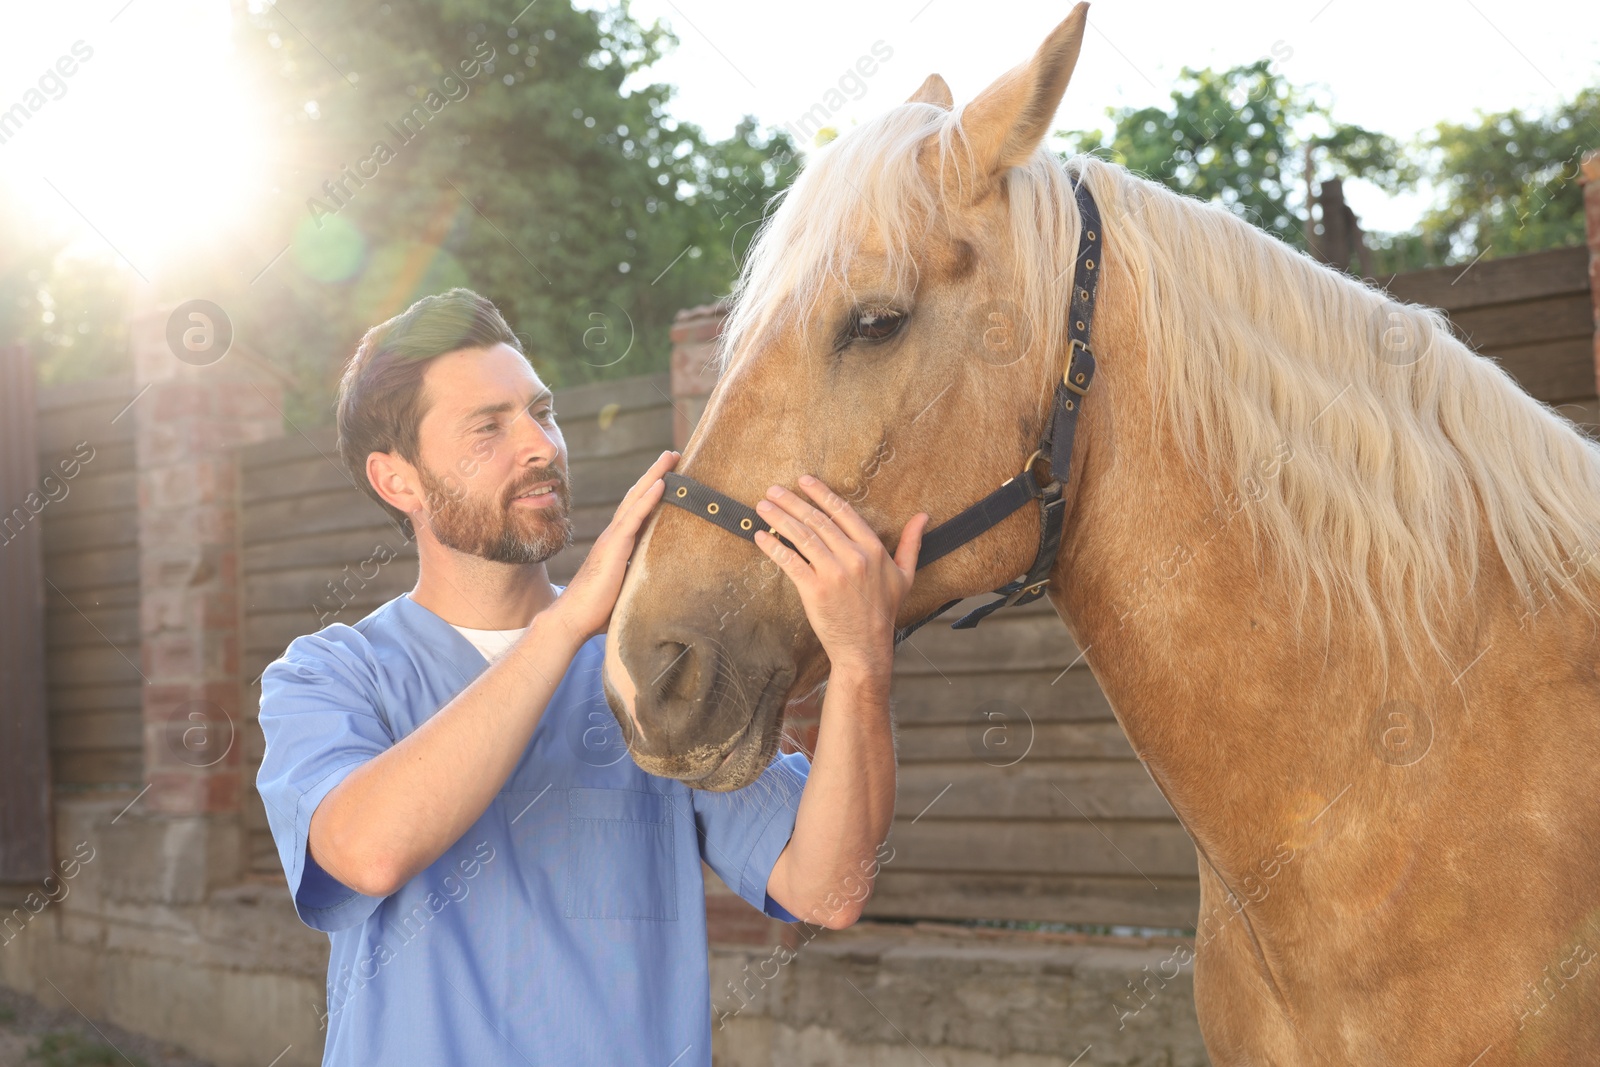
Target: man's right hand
584, 608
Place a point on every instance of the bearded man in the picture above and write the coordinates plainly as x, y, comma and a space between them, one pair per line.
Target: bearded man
497, 888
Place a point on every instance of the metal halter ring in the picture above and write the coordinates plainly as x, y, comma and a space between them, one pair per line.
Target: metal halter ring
1038, 453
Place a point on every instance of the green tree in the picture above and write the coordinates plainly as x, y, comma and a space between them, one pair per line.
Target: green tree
1240, 136
70, 311
1508, 182
585, 211
1505, 183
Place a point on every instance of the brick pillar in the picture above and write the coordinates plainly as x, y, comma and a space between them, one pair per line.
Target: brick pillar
189, 413
1591, 212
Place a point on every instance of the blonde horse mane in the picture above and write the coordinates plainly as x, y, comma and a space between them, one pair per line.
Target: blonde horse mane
1398, 456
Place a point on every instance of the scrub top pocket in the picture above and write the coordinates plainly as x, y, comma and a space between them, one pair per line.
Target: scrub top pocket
620, 855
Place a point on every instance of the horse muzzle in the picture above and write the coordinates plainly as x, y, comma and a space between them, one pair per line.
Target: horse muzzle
707, 703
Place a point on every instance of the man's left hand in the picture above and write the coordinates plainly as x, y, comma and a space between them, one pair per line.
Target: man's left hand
850, 586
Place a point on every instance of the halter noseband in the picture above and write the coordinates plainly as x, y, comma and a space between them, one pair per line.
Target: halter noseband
967, 526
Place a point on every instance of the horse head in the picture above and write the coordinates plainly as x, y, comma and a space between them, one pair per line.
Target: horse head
897, 331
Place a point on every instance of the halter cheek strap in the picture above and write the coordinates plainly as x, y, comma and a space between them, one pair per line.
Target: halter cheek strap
975, 521
1060, 432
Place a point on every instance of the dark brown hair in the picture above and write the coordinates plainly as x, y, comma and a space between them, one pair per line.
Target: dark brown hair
380, 404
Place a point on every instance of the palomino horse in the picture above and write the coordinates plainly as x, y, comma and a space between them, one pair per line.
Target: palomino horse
1335, 573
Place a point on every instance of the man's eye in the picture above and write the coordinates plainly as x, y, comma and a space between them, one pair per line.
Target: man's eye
876, 324
488, 427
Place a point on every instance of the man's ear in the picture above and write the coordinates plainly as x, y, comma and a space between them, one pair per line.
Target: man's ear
1007, 121
396, 481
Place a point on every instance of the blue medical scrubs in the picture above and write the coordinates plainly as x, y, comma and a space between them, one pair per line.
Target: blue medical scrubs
567, 926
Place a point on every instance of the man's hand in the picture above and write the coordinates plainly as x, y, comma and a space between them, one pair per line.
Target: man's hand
852, 589
584, 608
849, 584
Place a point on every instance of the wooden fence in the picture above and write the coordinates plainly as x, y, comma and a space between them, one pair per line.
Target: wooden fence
25, 851
1019, 796
1534, 314
91, 562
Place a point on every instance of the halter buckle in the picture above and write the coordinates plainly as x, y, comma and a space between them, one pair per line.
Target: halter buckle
1072, 359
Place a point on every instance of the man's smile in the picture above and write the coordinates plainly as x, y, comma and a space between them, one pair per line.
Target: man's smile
539, 495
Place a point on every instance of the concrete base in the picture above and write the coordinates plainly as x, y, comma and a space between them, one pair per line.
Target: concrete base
138, 935
147, 928
888, 995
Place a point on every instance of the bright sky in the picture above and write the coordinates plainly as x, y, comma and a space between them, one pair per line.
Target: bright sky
145, 147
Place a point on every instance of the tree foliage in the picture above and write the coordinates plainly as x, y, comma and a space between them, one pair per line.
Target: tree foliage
71, 312
1240, 136
453, 142
1503, 183
1508, 182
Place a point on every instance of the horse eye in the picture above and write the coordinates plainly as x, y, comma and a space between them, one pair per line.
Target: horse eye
876, 324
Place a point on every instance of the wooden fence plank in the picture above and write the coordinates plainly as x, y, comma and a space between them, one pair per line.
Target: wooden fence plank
1495, 281
97, 491
998, 700
333, 550
92, 628
1032, 789
620, 433
1549, 318
65, 628
1153, 848
1551, 371
644, 391
95, 731
25, 830
999, 645
65, 533
102, 664
89, 696
1047, 741
1161, 902
107, 767
78, 574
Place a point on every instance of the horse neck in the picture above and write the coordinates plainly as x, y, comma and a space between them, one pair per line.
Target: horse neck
1220, 681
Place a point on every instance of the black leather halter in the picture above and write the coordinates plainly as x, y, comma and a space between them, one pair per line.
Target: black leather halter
967, 526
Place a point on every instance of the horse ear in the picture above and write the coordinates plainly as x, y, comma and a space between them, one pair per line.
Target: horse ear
933, 91
1008, 120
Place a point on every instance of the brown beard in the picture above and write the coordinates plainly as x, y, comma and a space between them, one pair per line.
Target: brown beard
493, 528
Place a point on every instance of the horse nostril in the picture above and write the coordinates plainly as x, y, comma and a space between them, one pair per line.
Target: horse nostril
674, 656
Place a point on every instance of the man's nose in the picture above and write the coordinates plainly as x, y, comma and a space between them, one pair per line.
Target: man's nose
533, 438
